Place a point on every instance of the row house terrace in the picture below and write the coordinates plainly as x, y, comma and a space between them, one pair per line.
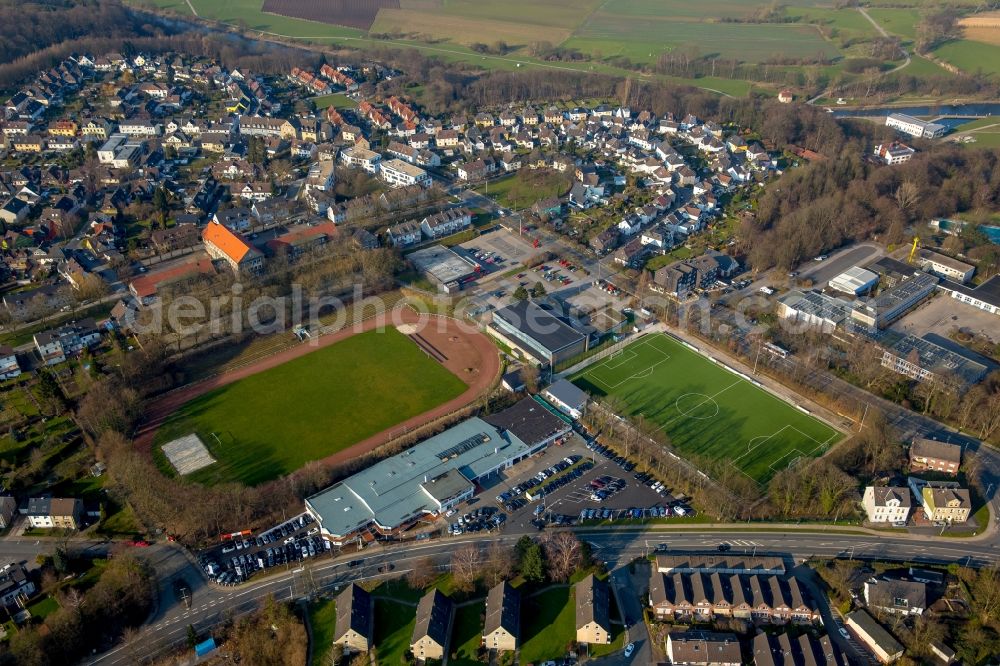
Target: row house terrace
703, 597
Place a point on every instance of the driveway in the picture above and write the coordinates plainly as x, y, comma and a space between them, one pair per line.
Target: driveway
627, 586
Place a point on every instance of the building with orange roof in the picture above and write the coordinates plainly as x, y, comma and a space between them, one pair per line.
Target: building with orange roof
221, 243
145, 287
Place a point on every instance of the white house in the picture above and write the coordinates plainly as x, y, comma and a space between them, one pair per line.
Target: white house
9, 367
887, 504
398, 173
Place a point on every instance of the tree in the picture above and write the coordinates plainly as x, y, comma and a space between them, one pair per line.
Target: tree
422, 574
520, 293
499, 563
529, 375
538, 290
563, 553
192, 636
532, 564
466, 563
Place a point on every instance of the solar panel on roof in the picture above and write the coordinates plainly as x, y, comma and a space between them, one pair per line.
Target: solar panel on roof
463, 446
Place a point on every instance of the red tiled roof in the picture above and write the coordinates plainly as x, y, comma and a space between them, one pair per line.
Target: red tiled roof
145, 286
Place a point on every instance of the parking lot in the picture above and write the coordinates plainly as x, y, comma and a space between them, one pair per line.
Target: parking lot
241, 555
942, 315
580, 482
503, 250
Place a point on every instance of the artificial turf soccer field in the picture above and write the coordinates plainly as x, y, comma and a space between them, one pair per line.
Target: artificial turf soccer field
272, 423
705, 409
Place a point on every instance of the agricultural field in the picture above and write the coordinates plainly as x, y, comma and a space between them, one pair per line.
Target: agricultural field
643, 38
705, 409
902, 22
353, 13
274, 422
427, 26
983, 27
971, 56
250, 14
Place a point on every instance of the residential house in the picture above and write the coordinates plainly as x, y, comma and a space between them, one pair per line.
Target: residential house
8, 507
354, 627
432, 630
234, 219
446, 222
894, 152
501, 631
942, 502
930, 454
875, 638
887, 504
398, 173
55, 512
703, 648
14, 211
593, 622
405, 233
364, 239
15, 585
9, 367
361, 158
55, 345
702, 597
898, 597
221, 243
605, 241
783, 650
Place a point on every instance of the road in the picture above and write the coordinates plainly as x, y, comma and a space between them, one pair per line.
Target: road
167, 626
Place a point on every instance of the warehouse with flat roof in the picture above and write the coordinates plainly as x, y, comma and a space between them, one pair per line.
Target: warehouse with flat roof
537, 332
434, 475
854, 281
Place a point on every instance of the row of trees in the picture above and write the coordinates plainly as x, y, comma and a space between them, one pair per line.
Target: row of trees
554, 557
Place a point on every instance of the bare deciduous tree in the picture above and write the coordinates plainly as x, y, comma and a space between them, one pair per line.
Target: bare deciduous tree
564, 553
465, 566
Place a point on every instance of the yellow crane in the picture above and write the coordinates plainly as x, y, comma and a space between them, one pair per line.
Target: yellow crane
913, 250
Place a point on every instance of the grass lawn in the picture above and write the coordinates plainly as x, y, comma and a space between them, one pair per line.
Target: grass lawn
526, 187
43, 608
467, 634
322, 617
971, 56
705, 409
987, 138
336, 100
548, 625
393, 630
274, 422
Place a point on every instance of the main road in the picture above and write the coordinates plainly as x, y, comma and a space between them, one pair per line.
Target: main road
210, 605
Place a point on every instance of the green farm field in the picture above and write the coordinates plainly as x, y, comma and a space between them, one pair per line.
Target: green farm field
644, 37
274, 422
971, 56
705, 409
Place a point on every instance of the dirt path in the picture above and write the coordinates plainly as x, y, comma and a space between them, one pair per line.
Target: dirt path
468, 354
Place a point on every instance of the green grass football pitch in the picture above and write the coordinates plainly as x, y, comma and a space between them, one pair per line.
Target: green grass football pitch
272, 423
706, 410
